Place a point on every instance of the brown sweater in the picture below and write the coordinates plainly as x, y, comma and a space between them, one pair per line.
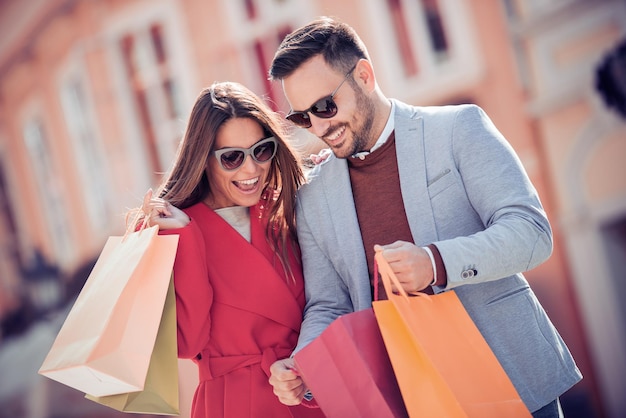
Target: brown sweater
379, 206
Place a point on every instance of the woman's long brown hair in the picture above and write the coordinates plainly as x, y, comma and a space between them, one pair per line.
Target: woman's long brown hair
187, 182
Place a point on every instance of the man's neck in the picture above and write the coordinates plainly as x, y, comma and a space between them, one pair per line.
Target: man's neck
381, 116
385, 131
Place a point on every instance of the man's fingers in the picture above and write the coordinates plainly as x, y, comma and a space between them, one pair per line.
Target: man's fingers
392, 251
288, 386
290, 392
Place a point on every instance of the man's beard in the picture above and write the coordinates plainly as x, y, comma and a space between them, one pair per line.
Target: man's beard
361, 136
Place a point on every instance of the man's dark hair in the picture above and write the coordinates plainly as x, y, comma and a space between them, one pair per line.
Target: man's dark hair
337, 42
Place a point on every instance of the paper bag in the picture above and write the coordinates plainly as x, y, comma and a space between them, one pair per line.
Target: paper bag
348, 371
105, 344
160, 393
442, 362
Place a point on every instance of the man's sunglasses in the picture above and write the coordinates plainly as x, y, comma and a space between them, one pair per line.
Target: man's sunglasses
232, 158
324, 108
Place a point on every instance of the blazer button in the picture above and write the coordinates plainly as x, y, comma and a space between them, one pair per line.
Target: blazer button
468, 274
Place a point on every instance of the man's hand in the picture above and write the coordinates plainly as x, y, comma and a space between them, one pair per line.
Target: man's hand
410, 263
288, 386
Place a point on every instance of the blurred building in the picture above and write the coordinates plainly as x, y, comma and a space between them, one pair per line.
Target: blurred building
94, 96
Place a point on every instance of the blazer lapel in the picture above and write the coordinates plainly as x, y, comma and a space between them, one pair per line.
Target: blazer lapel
342, 214
409, 129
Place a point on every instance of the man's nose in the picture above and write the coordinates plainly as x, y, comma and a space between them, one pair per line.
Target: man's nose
319, 126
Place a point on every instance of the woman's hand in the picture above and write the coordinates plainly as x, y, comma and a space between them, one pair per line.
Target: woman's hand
321, 156
160, 212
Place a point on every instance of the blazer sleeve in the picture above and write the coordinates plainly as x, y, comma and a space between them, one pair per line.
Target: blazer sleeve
194, 294
327, 296
511, 233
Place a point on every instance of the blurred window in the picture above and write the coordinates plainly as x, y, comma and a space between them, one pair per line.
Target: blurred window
430, 48
613, 235
418, 17
260, 26
49, 188
250, 9
9, 251
155, 92
88, 153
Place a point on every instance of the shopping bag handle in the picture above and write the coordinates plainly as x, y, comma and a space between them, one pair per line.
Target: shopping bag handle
388, 276
132, 226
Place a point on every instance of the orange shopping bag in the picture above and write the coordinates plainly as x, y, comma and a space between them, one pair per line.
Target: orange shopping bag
105, 344
443, 365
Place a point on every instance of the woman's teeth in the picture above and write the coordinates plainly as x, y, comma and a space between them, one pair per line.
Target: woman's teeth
247, 184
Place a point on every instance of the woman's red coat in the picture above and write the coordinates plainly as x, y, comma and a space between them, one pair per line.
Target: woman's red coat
237, 313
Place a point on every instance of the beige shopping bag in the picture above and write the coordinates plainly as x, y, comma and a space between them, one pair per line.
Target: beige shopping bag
160, 393
105, 344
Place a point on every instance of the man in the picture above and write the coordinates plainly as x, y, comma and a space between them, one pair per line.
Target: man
437, 189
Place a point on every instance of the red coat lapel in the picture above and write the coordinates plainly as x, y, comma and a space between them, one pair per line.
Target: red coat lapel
249, 276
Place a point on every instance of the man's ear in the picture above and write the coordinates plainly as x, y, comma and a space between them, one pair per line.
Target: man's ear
364, 75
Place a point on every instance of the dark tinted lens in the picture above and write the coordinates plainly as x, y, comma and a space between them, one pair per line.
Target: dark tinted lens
325, 108
231, 159
264, 152
301, 119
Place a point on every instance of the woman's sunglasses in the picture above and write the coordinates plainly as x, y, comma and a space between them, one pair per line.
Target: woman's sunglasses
232, 158
324, 108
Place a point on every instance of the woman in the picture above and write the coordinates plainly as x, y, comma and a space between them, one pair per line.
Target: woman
239, 288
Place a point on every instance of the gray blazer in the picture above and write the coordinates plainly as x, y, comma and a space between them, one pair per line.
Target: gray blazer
465, 190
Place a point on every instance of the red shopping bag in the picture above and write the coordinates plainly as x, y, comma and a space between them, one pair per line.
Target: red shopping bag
105, 344
444, 366
348, 371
